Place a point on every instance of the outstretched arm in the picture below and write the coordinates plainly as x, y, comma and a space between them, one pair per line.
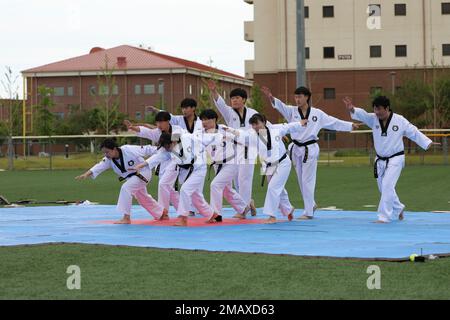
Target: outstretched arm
412, 133
277, 104
85, 175
358, 113
225, 110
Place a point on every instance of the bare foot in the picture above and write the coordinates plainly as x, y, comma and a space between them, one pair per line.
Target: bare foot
270, 220
164, 216
182, 221
215, 218
239, 216
252, 208
291, 215
125, 220
379, 222
305, 217
401, 216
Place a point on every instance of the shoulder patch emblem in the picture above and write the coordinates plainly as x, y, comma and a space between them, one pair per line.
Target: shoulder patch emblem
314, 119
130, 163
395, 128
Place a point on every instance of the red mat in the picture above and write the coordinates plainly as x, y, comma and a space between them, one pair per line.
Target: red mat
192, 222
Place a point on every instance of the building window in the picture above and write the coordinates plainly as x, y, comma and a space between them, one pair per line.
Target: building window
59, 115
401, 51
400, 9
137, 89
92, 90
328, 52
307, 53
149, 89
376, 91
446, 49
115, 90
328, 11
70, 91
138, 115
306, 12
58, 91
329, 93
375, 51
445, 7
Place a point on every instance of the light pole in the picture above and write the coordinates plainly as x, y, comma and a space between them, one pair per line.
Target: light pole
161, 91
393, 74
301, 72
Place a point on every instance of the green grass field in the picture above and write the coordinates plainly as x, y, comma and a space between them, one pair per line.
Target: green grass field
39, 272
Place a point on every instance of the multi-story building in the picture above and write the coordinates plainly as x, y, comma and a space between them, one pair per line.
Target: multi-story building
353, 47
141, 77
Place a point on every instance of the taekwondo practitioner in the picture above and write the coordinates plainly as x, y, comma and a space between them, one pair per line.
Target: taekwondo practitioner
388, 130
168, 170
189, 121
223, 157
304, 149
275, 163
120, 159
236, 116
188, 151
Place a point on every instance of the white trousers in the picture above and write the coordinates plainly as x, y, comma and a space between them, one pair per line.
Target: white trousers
244, 181
277, 196
390, 206
221, 187
306, 174
166, 190
135, 187
190, 193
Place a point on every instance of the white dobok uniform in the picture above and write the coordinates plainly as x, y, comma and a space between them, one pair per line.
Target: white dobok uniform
223, 157
275, 163
304, 149
390, 160
245, 159
135, 185
168, 170
190, 156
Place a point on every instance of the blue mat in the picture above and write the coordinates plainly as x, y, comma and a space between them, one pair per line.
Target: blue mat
332, 234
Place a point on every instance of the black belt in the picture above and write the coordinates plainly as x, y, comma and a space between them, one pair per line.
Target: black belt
269, 164
189, 166
140, 176
158, 168
375, 168
302, 144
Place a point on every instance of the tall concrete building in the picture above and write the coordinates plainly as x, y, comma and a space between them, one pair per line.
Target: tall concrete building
352, 46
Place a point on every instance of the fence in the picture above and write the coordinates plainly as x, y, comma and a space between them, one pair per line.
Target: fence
81, 152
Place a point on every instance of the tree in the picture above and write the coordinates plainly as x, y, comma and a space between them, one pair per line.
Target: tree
256, 100
108, 100
13, 104
44, 118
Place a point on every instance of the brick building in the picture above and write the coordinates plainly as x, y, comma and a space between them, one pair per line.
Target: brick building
353, 47
142, 77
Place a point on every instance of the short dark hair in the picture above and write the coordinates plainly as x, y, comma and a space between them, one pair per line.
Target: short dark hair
110, 144
162, 116
381, 101
188, 102
304, 91
257, 117
208, 114
165, 140
238, 92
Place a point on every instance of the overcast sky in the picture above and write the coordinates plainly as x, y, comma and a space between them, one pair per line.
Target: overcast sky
37, 32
